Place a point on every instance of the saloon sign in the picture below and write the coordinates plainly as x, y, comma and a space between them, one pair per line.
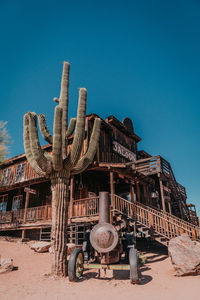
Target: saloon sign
121, 150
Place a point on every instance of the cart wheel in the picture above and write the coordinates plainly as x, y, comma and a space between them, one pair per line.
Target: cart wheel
75, 264
133, 261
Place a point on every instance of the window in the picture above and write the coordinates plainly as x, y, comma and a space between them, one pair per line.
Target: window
6, 176
17, 202
3, 203
20, 172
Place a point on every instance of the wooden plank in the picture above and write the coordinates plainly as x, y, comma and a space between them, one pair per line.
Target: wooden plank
85, 219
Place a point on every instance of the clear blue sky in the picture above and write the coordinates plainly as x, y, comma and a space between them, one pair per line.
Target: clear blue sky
139, 59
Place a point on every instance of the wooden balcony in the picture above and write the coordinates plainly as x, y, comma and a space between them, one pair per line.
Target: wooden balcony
85, 209
17, 219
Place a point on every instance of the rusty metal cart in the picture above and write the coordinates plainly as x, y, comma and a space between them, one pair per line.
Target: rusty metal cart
104, 247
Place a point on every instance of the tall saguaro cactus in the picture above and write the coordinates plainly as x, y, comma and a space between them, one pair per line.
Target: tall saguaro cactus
60, 165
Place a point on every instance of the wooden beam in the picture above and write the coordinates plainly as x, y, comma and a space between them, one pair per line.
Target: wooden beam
170, 208
162, 195
138, 193
181, 209
26, 205
23, 234
112, 187
132, 192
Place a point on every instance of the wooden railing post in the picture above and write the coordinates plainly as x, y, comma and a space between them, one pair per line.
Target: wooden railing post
45, 212
138, 194
26, 206
132, 192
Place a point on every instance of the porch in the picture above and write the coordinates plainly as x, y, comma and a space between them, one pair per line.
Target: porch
163, 224
24, 218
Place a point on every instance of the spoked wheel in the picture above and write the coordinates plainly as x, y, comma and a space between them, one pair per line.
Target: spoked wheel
75, 265
133, 261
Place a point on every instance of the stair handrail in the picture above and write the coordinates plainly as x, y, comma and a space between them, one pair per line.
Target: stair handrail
181, 224
177, 186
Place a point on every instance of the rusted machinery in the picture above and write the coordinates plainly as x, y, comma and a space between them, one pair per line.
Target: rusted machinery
107, 246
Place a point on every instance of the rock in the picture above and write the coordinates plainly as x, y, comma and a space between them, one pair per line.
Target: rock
185, 255
41, 247
51, 250
6, 265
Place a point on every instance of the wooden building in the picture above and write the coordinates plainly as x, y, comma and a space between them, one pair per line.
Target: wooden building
139, 185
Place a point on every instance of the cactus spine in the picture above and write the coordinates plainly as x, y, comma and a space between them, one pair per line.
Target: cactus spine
59, 166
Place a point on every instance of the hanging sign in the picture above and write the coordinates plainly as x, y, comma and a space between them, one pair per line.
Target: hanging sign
121, 150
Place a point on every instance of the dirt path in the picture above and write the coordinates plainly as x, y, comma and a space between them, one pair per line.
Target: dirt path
29, 282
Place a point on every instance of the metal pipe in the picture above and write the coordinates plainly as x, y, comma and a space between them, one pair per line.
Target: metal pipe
104, 207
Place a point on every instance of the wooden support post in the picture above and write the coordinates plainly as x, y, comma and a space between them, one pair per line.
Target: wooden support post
23, 234
146, 200
71, 197
26, 206
45, 213
169, 201
181, 209
170, 208
112, 187
132, 192
138, 194
162, 195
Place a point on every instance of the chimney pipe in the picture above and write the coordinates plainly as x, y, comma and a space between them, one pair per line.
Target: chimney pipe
104, 207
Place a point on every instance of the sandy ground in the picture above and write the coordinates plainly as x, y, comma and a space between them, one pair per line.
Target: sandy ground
30, 282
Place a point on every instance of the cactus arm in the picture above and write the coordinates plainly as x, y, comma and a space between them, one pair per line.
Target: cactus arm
63, 103
44, 130
88, 157
76, 148
27, 146
71, 127
36, 150
57, 139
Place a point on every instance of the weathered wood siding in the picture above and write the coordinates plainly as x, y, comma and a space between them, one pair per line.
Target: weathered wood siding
110, 133
105, 153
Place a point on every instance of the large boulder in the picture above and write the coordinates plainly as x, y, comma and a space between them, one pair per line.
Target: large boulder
6, 265
185, 255
41, 247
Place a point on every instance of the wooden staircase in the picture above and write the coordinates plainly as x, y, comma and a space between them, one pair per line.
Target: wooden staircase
171, 190
159, 225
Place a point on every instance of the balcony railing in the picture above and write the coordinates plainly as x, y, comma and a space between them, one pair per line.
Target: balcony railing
85, 207
33, 214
